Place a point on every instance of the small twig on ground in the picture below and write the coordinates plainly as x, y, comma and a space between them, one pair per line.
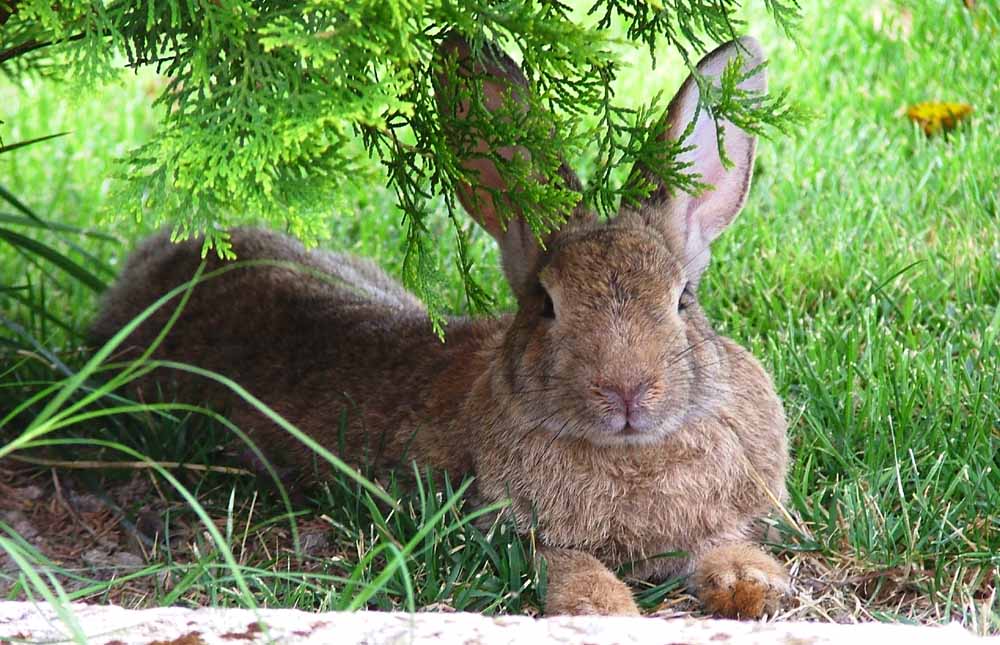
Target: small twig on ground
61, 500
86, 464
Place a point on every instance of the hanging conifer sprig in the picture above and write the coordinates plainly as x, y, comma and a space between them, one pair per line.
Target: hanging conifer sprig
267, 99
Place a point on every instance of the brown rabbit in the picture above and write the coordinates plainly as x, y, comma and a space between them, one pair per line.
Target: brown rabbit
606, 408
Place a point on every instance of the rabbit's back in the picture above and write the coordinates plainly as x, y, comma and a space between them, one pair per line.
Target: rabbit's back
273, 290
269, 264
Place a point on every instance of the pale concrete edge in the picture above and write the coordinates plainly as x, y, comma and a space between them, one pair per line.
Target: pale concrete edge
111, 625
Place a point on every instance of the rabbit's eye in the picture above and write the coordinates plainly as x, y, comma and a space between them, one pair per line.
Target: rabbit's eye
548, 308
686, 298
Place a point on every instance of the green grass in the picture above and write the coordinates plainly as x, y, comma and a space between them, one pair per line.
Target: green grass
865, 272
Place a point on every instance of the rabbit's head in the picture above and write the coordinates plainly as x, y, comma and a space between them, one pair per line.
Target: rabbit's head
609, 343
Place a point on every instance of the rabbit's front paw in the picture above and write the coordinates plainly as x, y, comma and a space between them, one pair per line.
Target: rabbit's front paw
579, 584
740, 581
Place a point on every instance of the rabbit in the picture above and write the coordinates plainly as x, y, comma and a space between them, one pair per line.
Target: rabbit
606, 409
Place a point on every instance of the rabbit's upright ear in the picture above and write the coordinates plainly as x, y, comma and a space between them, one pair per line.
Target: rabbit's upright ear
693, 221
487, 196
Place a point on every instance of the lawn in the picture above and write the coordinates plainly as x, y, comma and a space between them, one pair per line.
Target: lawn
864, 272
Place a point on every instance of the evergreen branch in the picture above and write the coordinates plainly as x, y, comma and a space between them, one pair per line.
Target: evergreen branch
272, 105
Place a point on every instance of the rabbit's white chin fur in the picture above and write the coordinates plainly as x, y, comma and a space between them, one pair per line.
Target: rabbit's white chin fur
627, 438
620, 435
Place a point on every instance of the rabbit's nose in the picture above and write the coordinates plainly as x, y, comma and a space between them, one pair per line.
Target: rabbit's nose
626, 401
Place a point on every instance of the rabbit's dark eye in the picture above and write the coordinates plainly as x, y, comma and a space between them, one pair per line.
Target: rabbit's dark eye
548, 308
686, 298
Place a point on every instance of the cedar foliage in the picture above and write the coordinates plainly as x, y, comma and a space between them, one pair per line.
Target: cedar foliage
267, 101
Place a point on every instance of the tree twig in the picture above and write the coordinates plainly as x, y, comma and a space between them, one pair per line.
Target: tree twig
7, 9
30, 46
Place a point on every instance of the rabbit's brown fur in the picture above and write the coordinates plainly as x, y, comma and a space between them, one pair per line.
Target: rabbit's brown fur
606, 408
272, 329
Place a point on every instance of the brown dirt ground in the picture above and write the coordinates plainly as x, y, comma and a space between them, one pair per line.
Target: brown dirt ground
115, 527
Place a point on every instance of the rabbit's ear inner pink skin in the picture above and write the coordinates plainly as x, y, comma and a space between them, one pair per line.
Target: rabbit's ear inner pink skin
692, 222
503, 85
